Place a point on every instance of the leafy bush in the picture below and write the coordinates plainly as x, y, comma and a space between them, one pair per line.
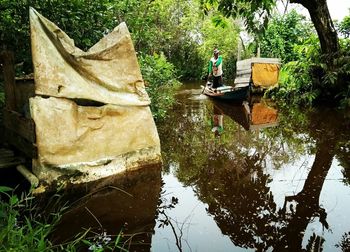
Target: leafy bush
2, 98
161, 83
221, 32
315, 77
296, 83
84, 21
307, 75
344, 27
168, 26
283, 33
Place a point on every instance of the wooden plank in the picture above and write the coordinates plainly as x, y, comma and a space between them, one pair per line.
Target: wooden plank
224, 88
11, 164
242, 80
8, 159
22, 126
24, 90
240, 85
244, 72
245, 65
5, 152
21, 144
34, 181
9, 79
262, 126
266, 60
243, 76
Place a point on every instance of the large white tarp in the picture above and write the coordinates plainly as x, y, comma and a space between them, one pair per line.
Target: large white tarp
68, 134
71, 134
108, 72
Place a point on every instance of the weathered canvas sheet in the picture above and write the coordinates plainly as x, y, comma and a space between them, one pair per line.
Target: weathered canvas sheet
108, 72
265, 74
69, 135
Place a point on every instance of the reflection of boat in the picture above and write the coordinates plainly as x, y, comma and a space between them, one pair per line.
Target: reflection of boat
237, 93
238, 113
217, 122
250, 116
263, 116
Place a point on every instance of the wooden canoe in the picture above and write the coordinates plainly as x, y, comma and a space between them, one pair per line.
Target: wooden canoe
236, 93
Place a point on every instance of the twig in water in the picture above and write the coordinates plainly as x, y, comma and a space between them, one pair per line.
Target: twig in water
99, 223
92, 193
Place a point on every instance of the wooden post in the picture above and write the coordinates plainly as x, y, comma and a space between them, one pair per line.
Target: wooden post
19, 131
258, 52
239, 49
33, 180
9, 79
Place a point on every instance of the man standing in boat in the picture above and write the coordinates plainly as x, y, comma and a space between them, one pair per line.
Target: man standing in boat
215, 69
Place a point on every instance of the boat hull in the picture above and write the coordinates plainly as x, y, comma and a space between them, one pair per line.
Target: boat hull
231, 94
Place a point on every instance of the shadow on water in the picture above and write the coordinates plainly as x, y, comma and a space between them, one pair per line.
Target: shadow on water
127, 203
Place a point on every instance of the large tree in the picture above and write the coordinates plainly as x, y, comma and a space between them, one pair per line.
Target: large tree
323, 23
256, 14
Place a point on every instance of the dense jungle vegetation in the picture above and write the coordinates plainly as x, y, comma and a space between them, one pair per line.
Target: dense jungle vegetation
174, 41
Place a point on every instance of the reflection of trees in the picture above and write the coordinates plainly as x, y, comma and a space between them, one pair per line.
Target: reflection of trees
343, 154
187, 140
329, 136
344, 243
240, 205
164, 219
307, 200
228, 174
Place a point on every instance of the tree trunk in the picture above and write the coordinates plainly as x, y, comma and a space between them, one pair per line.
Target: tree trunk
323, 23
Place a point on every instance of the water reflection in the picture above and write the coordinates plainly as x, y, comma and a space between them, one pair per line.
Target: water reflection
235, 176
125, 202
254, 115
245, 209
217, 122
271, 180
305, 205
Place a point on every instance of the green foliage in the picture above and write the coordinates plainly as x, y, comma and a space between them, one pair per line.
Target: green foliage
256, 13
344, 27
310, 76
84, 21
177, 29
283, 33
24, 227
296, 83
329, 79
19, 231
220, 32
157, 26
178, 35
161, 83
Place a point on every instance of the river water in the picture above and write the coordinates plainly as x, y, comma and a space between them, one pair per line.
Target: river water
249, 177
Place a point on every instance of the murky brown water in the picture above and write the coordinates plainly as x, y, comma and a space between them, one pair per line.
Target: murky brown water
235, 178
